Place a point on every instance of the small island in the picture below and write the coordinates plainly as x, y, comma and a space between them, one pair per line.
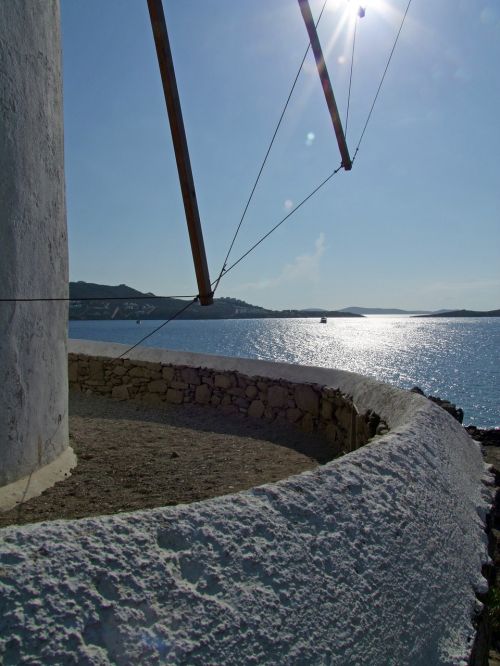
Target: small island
463, 313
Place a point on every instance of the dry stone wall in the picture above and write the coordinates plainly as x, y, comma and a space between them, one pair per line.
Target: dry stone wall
311, 407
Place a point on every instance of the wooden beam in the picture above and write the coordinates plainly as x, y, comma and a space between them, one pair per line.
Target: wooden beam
172, 100
325, 83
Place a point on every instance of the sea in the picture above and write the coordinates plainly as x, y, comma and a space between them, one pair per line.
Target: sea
453, 358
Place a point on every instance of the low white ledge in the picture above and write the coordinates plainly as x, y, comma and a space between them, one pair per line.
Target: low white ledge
374, 558
34, 484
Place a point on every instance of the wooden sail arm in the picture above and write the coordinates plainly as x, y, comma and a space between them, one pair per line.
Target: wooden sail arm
325, 83
172, 100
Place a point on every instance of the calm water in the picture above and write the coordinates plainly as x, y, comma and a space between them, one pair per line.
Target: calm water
457, 359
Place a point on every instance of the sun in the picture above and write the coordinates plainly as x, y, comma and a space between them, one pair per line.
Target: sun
353, 9
349, 12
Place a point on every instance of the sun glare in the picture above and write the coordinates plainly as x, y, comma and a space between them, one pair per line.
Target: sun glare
350, 11
358, 8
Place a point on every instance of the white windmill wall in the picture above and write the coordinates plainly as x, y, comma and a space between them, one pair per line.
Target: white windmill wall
33, 240
374, 558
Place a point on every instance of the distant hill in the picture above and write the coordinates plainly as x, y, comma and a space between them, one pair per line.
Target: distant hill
123, 302
464, 313
382, 311
91, 290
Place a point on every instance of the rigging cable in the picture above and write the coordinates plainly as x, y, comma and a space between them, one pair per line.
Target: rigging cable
223, 269
167, 321
382, 79
91, 298
350, 76
311, 194
233, 265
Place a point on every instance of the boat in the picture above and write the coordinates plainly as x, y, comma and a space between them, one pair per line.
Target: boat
323, 320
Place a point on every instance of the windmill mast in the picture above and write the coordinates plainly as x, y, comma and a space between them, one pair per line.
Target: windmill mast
177, 129
325, 83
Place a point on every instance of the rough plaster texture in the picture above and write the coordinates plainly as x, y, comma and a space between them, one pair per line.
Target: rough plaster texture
33, 386
372, 559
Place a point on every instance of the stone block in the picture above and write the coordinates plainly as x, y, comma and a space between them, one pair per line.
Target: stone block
307, 399
139, 371
96, 370
226, 399
149, 365
190, 376
332, 433
157, 386
119, 370
202, 394
238, 392
167, 373
251, 392
120, 393
277, 396
293, 415
256, 409
326, 409
344, 417
242, 381
175, 396
242, 403
179, 385
224, 381
307, 423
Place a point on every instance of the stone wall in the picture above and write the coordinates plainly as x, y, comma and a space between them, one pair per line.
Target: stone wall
311, 407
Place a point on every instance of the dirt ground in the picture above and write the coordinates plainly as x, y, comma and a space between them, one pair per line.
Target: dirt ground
134, 457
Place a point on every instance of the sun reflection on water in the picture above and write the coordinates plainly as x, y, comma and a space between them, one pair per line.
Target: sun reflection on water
458, 359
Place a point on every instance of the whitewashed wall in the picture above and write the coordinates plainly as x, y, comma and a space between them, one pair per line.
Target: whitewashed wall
374, 558
33, 242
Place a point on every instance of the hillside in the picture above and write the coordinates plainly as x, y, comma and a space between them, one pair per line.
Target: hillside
464, 313
123, 302
382, 311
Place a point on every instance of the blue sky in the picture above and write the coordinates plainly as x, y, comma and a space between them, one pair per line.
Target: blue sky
415, 224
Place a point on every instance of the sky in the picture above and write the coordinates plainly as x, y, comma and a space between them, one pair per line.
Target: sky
414, 224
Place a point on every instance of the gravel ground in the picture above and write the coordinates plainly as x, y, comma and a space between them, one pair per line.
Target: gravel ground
134, 457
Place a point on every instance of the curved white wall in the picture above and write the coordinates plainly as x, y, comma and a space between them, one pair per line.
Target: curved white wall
33, 386
374, 558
